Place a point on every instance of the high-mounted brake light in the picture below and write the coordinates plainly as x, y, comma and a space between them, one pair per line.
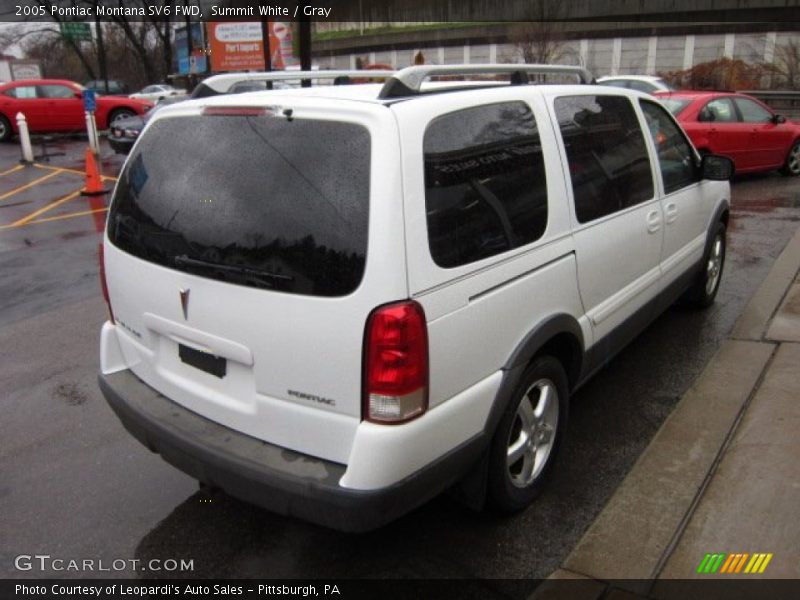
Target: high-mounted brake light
236, 111
396, 363
103, 284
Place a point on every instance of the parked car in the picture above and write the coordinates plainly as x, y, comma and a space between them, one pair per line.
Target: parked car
122, 133
641, 83
51, 105
337, 305
114, 87
156, 93
738, 126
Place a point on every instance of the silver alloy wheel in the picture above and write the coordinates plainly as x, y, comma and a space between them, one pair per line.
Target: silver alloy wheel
122, 114
532, 434
714, 265
793, 162
3, 130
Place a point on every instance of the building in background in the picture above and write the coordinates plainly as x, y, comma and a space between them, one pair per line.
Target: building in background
13, 68
604, 48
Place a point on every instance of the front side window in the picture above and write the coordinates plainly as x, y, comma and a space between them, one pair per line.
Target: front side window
56, 91
752, 112
675, 154
608, 161
485, 187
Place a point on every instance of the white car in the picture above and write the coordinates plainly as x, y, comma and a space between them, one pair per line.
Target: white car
154, 93
641, 83
338, 302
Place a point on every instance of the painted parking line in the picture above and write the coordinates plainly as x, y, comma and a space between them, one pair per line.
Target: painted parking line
68, 216
68, 170
12, 170
31, 184
27, 219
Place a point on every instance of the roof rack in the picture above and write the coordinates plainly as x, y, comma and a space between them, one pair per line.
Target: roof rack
294, 75
408, 81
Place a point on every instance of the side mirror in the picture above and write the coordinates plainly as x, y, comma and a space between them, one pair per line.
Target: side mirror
79, 95
716, 168
778, 119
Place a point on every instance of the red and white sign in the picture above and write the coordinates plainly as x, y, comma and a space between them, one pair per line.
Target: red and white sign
236, 46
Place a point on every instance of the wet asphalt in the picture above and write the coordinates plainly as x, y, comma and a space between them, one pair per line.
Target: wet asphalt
75, 485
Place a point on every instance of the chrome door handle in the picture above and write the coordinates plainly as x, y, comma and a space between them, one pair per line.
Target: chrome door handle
653, 221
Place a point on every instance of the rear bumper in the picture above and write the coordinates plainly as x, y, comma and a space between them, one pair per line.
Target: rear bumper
275, 478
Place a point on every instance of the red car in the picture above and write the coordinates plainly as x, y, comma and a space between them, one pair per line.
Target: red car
737, 126
57, 105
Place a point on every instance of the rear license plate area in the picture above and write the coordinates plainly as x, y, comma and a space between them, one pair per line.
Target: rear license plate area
214, 365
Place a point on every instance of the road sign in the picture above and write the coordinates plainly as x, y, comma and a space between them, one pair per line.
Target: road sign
76, 30
89, 100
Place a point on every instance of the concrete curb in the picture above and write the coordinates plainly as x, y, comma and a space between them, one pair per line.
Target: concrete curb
637, 531
753, 322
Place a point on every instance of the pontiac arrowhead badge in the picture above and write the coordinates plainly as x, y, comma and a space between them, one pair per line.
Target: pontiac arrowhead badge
185, 303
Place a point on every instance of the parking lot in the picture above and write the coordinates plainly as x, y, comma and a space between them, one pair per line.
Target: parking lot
74, 484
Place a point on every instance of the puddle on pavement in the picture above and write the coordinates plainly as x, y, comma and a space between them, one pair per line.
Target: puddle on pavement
768, 205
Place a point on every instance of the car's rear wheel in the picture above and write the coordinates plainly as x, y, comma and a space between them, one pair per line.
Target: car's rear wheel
792, 166
120, 113
6, 132
527, 439
704, 289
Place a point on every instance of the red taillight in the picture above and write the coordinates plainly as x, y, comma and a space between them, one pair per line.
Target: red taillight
396, 363
103, 283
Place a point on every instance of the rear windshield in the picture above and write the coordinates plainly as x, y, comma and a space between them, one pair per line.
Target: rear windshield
262, 201
675, 105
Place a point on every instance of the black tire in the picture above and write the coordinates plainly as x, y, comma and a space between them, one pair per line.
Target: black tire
6, 132
706, 285
512, 486
792, 165
120, 113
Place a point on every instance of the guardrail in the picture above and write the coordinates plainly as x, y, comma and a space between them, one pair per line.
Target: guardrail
783, 102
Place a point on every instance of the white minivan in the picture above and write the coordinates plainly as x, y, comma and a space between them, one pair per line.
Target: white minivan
338, 302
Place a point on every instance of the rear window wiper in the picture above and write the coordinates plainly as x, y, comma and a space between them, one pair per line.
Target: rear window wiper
185, 261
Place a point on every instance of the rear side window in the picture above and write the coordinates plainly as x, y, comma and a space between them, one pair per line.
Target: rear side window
252, 200
608, 161
22, 92
719, 110
485, 187
674, 105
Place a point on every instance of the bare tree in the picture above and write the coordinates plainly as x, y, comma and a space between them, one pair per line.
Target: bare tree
75, 46
784, 70
541, 40
148, 38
